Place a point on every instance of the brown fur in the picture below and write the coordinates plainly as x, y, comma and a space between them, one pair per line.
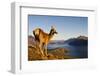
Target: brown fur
43, 39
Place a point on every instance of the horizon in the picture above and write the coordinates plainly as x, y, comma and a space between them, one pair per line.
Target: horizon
66, 26
62, 39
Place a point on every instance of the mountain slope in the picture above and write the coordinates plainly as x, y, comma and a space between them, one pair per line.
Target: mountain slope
79, 41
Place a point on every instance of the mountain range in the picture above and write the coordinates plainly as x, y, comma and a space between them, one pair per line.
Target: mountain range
78, 41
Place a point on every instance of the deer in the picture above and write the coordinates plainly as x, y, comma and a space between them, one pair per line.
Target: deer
43, 38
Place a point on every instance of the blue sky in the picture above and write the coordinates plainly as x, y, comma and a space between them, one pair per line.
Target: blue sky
66, 26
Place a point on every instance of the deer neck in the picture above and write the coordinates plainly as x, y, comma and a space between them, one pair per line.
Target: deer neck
51, 34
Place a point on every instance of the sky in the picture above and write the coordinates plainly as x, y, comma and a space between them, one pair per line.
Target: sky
66, 26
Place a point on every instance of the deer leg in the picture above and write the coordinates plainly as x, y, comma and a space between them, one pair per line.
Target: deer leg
46, 50
41, 50
37, 44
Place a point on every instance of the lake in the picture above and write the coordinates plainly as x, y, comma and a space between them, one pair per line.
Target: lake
75, 51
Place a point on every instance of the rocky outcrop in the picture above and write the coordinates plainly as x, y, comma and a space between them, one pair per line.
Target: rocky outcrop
58, 53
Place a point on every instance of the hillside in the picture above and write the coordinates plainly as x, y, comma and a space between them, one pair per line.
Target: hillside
58, 53
79, 41
58, 49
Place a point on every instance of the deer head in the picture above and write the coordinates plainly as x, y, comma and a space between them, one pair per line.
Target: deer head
53, 31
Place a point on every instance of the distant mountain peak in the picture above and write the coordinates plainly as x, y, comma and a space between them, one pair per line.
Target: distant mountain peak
83, 37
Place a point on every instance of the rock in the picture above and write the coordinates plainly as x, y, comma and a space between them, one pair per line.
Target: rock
34, 54
51, 56
58, 53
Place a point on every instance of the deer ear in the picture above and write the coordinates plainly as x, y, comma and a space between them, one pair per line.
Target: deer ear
52, 27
